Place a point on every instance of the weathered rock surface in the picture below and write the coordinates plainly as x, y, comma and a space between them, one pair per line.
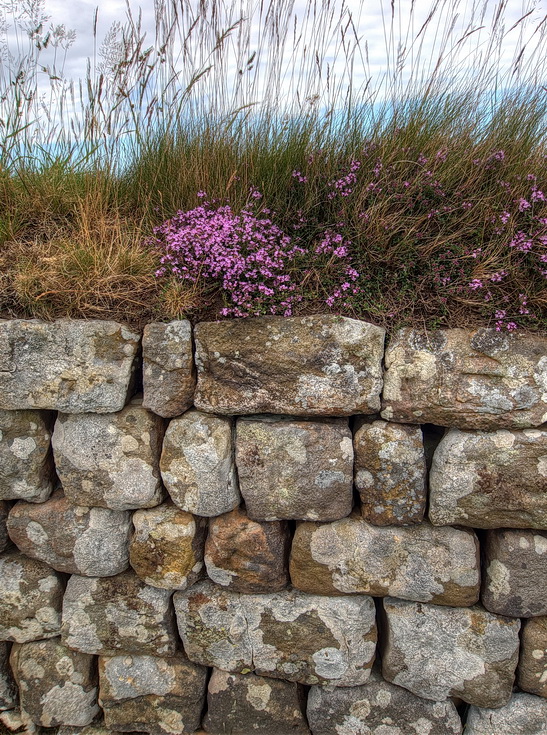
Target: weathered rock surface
295, 469
57, 686
97, 727
4, 538
490, 480
532, 669
8, 690
524, 714
307, 366
26, 464
166, 550
421, 563
150, 694
197, 464
72, 538
515, 573
68, 365
31, 594
437, 652
248, 556
110, 461
390, 473
378, 708
241, 704
112, 614
472, 379
169, 375
287, 635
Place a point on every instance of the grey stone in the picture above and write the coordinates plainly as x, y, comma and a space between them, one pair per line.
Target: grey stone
390, 473
107, 615
68, 365
471, 379
437, 652
8, 689
524, 714
26, 464
57, 686
378, 708
169, 375
318, 365
240, 704
112, 460
197, 464
4, 538
532, 670
295, 469
72, 538
31, 594
288, 635
515, 581
166, 550
420, 563
150, 694
490, 479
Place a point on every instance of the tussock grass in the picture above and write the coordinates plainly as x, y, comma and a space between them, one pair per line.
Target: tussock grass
449, 138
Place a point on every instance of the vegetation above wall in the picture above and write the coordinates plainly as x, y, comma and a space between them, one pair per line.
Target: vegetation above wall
163, 190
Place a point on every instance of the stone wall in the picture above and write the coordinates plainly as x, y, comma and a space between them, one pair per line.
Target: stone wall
272, 526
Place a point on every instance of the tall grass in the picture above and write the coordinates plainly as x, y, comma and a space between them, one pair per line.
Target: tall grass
447, 129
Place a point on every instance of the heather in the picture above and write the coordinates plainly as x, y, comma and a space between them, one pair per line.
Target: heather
216, 173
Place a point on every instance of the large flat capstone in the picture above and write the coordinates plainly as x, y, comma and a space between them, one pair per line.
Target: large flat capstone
471, 379
288, 635
492, 479
68, 365
319, 365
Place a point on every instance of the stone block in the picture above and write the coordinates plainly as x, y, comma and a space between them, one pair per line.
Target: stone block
75, 366
197, 464
378, 708
470, 379
57, 686
72, 538
109, 615
151, 694
515, 565
390, 473
8, 689
169, 375
288, 635
490, 479
4, 538
295, 469
110, 461
248, 556
31, 595
439, 652
166, 549
26, 464
532, 669
524, 714
420, 563
240, 704
318, 365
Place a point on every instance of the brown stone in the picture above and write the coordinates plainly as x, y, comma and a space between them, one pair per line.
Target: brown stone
421, 563
166, 550
318, 365
247, 556
532, 670
4, 538
390, 473
515, 565
169, 375
470, 379
295, 469
8, 689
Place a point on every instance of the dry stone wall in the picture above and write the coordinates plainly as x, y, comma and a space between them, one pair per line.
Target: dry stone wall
272, 526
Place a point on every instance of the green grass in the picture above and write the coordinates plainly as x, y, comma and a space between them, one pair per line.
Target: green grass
87, 170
